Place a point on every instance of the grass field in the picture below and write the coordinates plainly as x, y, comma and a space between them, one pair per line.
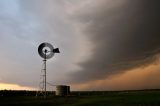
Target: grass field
121, 98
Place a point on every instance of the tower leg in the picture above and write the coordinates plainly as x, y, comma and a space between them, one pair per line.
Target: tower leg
45, 79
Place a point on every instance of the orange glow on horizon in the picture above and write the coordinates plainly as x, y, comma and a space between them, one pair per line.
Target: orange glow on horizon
136, 79
6, 86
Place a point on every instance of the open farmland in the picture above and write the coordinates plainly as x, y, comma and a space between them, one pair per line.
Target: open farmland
87, 98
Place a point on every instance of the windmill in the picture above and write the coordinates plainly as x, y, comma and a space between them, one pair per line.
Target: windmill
46, 51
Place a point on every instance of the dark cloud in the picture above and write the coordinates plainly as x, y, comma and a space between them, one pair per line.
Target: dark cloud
125, 36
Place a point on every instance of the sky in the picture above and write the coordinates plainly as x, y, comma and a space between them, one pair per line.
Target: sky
104, 44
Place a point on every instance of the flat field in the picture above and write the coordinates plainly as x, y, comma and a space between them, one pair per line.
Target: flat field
87, 98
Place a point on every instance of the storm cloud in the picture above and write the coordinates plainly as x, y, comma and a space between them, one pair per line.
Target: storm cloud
124, 35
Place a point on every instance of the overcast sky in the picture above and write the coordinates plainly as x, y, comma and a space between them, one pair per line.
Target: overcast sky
104, 44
